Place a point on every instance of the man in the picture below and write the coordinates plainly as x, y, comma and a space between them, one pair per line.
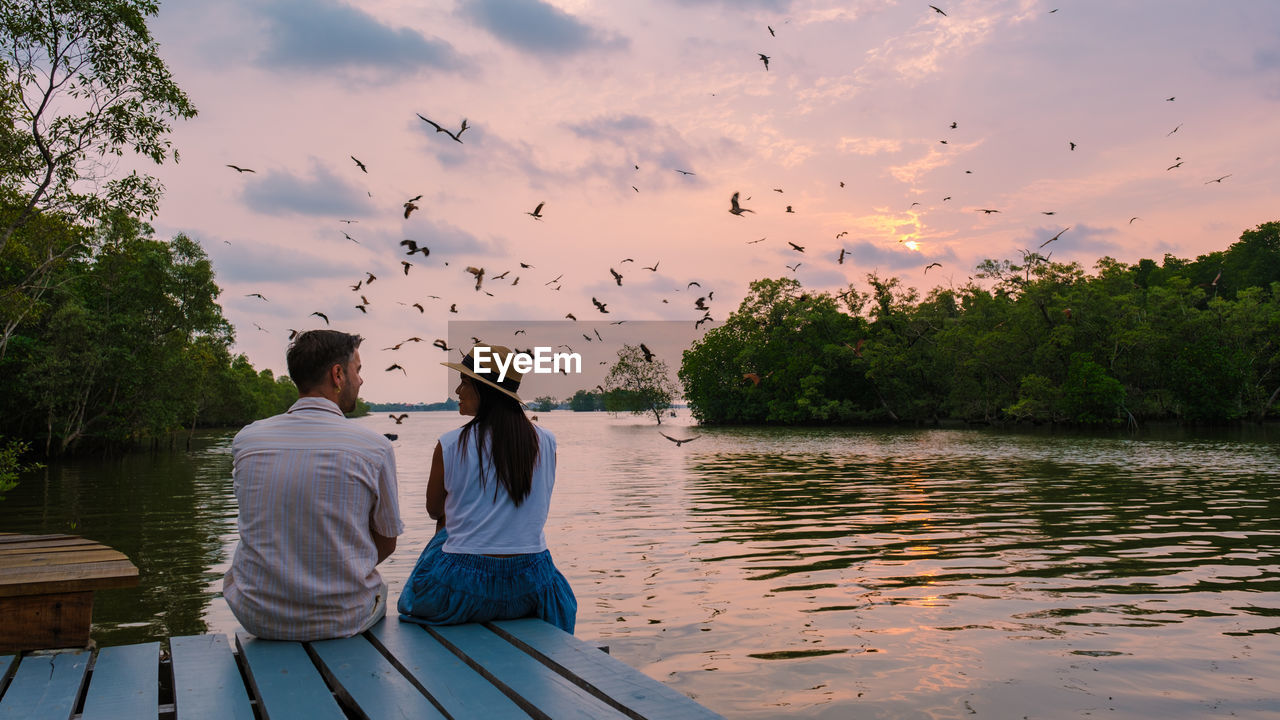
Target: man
318, 505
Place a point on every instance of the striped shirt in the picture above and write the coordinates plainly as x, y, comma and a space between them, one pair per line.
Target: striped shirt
310, 484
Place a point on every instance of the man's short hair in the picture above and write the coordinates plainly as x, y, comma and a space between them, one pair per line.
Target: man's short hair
313, 352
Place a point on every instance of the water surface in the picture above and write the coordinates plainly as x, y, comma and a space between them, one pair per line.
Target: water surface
819, 573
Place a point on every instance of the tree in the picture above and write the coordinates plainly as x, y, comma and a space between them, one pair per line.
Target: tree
638, 385
11, 453
585, 401
81, 82
546, 403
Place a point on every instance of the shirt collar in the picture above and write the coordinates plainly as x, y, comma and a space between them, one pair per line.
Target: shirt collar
316, 403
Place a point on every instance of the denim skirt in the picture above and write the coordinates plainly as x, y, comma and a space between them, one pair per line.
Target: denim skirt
455, 588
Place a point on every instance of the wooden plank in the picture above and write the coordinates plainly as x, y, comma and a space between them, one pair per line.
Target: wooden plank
94, 576
11, 565
74, 543
19, 537
538, 689
46, 686
125, 684
206, 681
285, 680
459, 690
601, 675
368, 683
35, 622
6, 663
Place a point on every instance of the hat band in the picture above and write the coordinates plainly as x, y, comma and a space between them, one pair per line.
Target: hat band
511, 384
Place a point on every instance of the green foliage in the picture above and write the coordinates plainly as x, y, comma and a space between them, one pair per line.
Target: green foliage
584, 401
11, 465
81, 83
637, 385
1038, 341
546, 403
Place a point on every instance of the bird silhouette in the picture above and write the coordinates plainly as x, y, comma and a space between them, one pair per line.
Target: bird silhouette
685, 172
616, 276
1135, 217
771, 32
453, 308
932, 265
409, 207
1173, 130
735, 208
1073, 145
840, 260
1175, 165
692, 283
653, 268
599, 305
442, 345
938, 10
648, 354
987, 211
399, 418
396, 366
797, 248
570, 316
679, 441
790, 210
537, 212
362, 309
370, 277
795, 267
239, 169
764, 59
1055, 237
257, 295
1217, 180
322, 316
439, 129
360, 165
478, 273
420, 308
414, 247
406, 265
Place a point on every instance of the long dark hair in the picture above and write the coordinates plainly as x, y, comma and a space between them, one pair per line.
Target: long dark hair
513, 441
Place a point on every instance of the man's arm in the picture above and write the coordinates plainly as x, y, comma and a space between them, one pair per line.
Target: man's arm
385, 545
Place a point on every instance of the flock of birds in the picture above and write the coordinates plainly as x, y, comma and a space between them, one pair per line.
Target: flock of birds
736, 207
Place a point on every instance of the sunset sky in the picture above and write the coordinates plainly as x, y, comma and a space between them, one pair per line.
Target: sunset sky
565, 98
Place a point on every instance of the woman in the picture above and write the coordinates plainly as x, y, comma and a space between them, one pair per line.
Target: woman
489, 491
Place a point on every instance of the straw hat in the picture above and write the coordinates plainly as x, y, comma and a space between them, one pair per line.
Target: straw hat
510, 382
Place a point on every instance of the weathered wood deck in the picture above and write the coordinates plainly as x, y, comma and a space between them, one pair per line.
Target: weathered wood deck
507, 669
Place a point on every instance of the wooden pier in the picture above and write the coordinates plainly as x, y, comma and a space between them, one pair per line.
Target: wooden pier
505, 669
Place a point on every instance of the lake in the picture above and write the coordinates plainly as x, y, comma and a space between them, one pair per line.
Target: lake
818, 573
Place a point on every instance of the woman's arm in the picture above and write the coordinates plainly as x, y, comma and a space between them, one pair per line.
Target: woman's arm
435, 486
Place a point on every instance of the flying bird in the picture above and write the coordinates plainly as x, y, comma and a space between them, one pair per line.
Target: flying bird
735, 208
239, 169
599, 305
679, 442
987, 211
1175, 165
1217, 180
685, 172
764, 59
790, 210
322, 316
938, 10
771, 32
1135, 217
399, 418
1073, 145
537, 212
1173, 130
840, 260
571, 317
420, 308
616, 276
442, 345
396, 366
414, 247
797, 248
478, 273
360, 165
456, 137
932, 265
653, 268
1055, 237
793, 268
648, 355
258, 295
370, 278
692, 283
409, 207
406, 265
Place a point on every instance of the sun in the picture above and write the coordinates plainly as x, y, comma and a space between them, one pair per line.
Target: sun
912, 244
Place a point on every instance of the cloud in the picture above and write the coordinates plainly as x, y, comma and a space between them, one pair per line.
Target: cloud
864, 254
322, 194
610, 128
538, 28
319, 35
869, 145
737, 5
448, 241
1080, 238
258, 262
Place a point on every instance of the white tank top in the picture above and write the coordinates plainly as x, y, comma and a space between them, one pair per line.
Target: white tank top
478, 524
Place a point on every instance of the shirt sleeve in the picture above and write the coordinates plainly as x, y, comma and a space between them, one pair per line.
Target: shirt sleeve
386, 512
